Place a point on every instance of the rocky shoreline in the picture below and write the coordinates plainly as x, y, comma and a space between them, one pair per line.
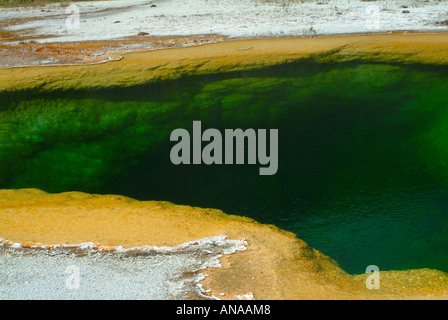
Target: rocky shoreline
274, 265
104, 30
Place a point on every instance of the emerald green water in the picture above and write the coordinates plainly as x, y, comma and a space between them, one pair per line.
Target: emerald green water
363, 152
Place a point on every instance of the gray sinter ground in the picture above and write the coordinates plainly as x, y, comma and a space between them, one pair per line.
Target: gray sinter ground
53, 275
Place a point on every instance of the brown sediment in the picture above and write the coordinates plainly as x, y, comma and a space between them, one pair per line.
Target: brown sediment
146, 67
276, 264
19, 48
31, 53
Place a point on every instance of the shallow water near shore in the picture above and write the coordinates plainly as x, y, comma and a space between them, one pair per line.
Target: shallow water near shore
362, 172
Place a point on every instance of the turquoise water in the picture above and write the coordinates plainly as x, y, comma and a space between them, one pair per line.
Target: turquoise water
363, 152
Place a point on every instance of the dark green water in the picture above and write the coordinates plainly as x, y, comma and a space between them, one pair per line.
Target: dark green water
363, 153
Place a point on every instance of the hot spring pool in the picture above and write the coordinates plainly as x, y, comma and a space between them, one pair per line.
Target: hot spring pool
363, 152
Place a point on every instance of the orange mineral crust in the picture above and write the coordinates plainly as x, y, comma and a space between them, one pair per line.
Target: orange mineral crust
145, 67
276, 264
